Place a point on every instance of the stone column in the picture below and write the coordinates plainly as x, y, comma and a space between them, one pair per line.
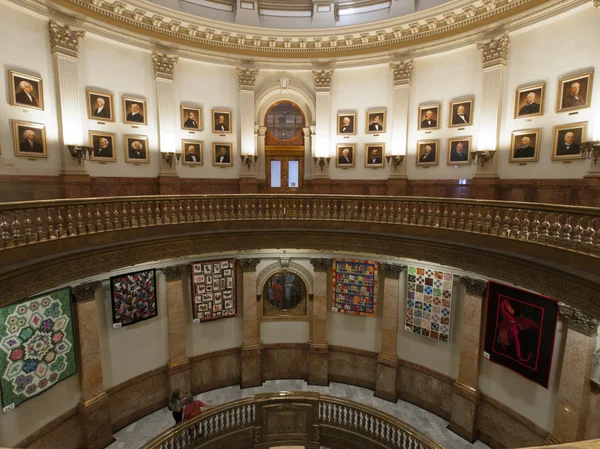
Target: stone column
402, 73
387, 360
309, 166
574, 387
248, 174
164, 68
179, 367
318, 355
64, 43
465, 391
261, 133
252, 346
323, 121
94, 407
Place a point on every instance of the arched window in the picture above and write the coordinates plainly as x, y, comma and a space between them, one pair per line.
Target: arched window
284, 122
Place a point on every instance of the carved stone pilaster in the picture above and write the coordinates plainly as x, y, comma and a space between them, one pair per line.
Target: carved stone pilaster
473, 286
402, 71
174, 273
164, 65
322, 79
63, 39
248, 265
578, 321
494, 51
247, 78
390, 270
321, 264
85, 292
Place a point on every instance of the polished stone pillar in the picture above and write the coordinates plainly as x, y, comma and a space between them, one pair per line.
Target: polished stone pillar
387, 360
179, 367
465, 391
322, 80
318, 354
252, 346
94, 407
574, 388
248, 171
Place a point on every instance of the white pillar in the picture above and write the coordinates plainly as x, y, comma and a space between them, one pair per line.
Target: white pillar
247, 81
402, 72
323, 119
308, 160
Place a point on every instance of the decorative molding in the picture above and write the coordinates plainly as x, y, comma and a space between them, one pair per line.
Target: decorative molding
247, 78
390, 270
597, 3
321, 265
578, 321
473, 286
402, 71
164, 65
494, 51
63, 39
174, 273
322, 79
85, 292
248, 265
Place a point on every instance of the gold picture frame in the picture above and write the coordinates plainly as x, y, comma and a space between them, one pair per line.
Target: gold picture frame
100, 106
187, 121
425, 158
346, 123
104, 145
29, 139
376, 118
220, 158
134, 111
567, 99
455, 120
525, 145
348, 159
458, 148
530, 100
375, 155
224, 126
426, 123
561, 149
136, 154
186, 153
26, 91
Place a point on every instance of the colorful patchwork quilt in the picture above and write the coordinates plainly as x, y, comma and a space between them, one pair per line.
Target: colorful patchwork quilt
133, 297
213, 290
354, 286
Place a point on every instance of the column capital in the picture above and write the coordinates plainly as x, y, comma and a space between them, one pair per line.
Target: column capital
473, 286
322, 79
247, 78
164, 65
321, 264
390, 270
63, 39
85, 292
248, 265
494, 51
174, 273
402, 71
578, 321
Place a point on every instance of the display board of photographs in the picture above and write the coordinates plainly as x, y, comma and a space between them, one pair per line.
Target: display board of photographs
213, 290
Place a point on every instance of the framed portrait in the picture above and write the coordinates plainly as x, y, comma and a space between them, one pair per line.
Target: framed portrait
221, 121
429, 117
26, 91
346, 124
376, 121
529, 100
103, 145
30, 139
136, 149
461, 113
134, 111
375, 155
222, 154
525, 145
575, 92
191, 118
345, 155
427, 152
566, 143
192, 152
459, 150
100, 106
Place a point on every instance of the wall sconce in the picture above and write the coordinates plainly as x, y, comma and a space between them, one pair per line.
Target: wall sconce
248, 160
395, 161
321, 161
483, 158
592, 150
80, 153
169, 156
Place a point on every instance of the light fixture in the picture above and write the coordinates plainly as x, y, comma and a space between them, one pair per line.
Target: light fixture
169, 156
80, 153
592, 150
321, 161
248, 160
395, 160
483, 158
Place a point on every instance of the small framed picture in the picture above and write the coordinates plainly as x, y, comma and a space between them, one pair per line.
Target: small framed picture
376, 121
103, 145
427, 152
192, 152
26, 91
100, 106
222, 156
136, 149
525, 145
221, 121
529, 100
191, 118
375, 155
575, 92
30, 139
459, 150
461, 113
566, 143
346, 123
345, 155
429, 116
134, 110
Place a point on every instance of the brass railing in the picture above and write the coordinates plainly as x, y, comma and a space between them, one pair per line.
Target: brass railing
304, 418
567, 227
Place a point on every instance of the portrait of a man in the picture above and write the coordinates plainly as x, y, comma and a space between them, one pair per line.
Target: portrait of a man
30, 139
222, 154
374, 155
26, 91
136, 149
427, 152
428, 117
525, 145
221, 121
459, 151
567, 141
100, 106
191, 118
103, 145
345, 154
346, 124
376, 122
134, 110
575, 92
461, 113
530, 100
192, 152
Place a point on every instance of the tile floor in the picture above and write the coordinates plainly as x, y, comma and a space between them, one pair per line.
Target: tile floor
138, 433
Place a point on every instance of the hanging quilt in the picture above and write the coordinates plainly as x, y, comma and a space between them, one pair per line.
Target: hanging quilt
429, 303
133, 297
37, 347
519, 331
213, 290
354, 286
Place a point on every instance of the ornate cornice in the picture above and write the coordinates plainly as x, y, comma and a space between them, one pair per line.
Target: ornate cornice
402, 71
473, 286
85, 292
164, 65
494, 51
247, 78
248, 265
391, 270
174, 273
322, 79
321, 265
577, 320
63, 39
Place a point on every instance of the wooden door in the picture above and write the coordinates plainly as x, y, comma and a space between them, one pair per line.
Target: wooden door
285, 171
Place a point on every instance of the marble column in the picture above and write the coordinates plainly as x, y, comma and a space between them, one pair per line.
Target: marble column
387, 360
164, 68
261, 133
252, 346
64, 43
318, 354
248, 174
94, 407
179, 367
465, 391
322, 149
574, 388
309, 166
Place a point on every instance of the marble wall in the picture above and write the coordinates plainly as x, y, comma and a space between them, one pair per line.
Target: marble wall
285, 361
352, 366
64, 432
216, 369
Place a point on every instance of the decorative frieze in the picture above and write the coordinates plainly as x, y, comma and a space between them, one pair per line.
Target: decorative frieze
85, 292
473, 286
391, 270
248, 265
138, 15
247, 78
450, 18
402, 71
118, 7
322, 79
63, 39
174, 273
164, 65
321, 265
494, 51
577, 320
